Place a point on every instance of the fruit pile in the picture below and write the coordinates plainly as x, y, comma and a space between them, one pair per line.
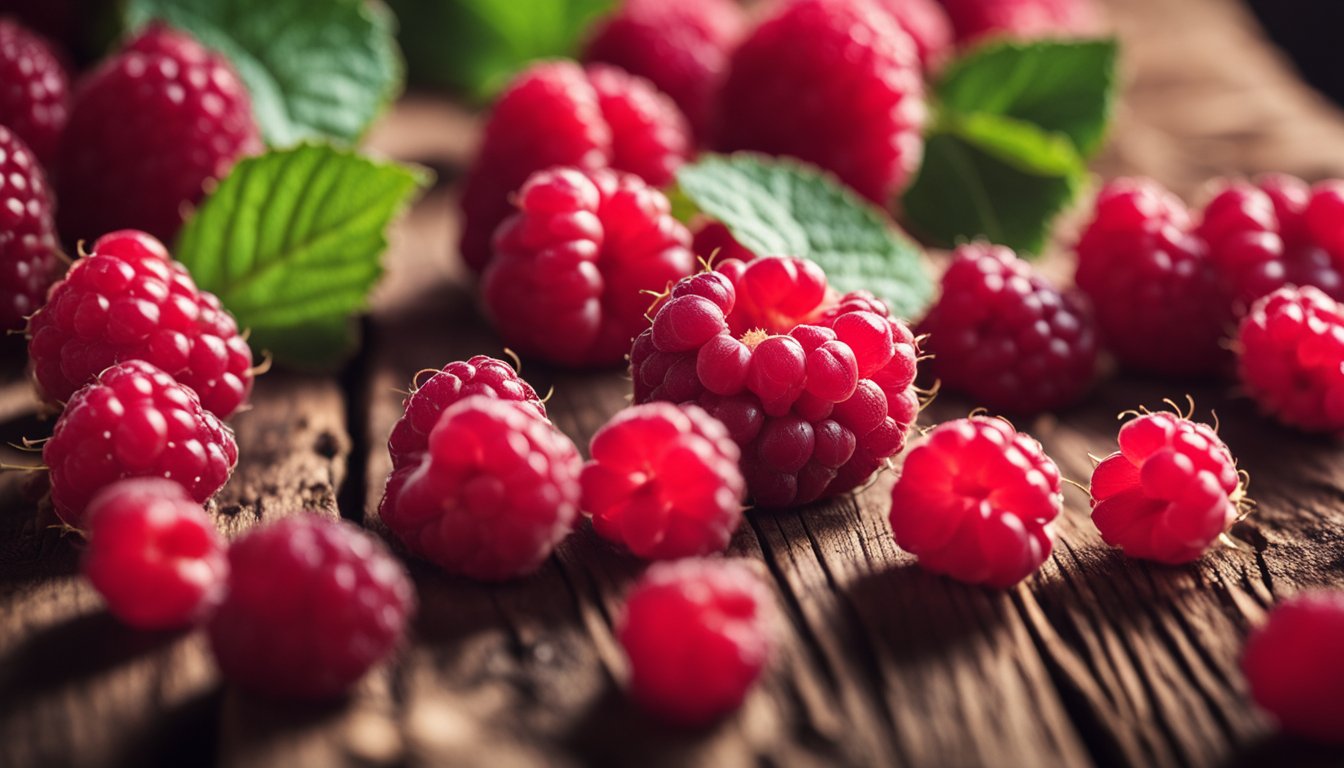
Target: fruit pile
758, 378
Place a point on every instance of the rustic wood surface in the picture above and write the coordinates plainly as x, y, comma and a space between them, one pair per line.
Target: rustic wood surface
1094, 661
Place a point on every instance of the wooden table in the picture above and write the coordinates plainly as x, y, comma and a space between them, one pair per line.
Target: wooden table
1095, 660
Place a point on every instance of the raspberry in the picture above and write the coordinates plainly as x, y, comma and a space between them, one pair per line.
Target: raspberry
28, 250
832, 82
1169, 492
1262, 238
134, 420
698, 634
496, 492
556, 113
975, 20
1292, 665
1291, 358
183, 118
664, 482
1002, 334
977, 502
682, 48
1152, 286
928, 26
313, 603
480, 375
129, 301
34, 90
572, 269
714, 243
817, 391
154, 554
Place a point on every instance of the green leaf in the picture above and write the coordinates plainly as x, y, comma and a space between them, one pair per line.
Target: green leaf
1063, 86
476, 46
291, 243
780, 206
996, 178
314, 68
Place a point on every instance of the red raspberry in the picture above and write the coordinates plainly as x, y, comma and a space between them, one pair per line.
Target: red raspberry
1023, 19
496, 492
698, 634
682, 48
129, 301
1291, 358
1169, 492
832, 82
1002, 334
572, 270
183, 118
1152, 286
664, 482
480, 375
977, 502
555, 113
29, 256
313, 603
34, 90
1292, 664
715, 244
1261, 237
134, 420
818, 392
154, 554
928, 26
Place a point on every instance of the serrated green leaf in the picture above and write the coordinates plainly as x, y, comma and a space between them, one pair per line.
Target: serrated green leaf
996, 178
780, 206
292, 241
1058, 86
314, 68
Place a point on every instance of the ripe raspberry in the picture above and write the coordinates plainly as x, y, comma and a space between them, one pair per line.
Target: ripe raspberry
1291, 358
1292, 664
313, 603
34, 90
183, 118
1152, 286
831, 82
496, 492
129, 301
977, 502
154, 554
817, 391
134, 420
698, 634
1002, 334
556, 113
572, 269
1169, 492
975, 20
664, 482
682, 48
1261, 238
29, 256
480, 375
928, 26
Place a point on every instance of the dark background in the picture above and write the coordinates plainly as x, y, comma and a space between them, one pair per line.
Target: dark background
1312, 33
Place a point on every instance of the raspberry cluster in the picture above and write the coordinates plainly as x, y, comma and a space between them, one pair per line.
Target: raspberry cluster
1291, 358
1292, 665
28, 251
34, 90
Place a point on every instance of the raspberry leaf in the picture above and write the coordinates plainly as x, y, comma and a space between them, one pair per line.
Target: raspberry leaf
291, 243
314, 68
784, 207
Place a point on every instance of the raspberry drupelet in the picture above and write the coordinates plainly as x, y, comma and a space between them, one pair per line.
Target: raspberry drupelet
663, 482
1169, 492
128, 300
698, 634
1290, 358
1003, 335
574, 268
818, 391
1292, 665
496, 491
977, 501
29, 254
134, 420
